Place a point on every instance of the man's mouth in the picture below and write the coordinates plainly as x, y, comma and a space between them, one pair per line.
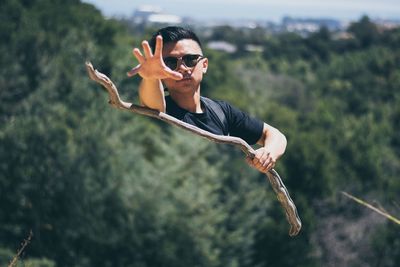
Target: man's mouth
186, 77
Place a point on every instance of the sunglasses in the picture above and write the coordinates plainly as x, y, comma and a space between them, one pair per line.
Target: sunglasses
189, 60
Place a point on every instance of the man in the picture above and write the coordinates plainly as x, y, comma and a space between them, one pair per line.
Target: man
174, 61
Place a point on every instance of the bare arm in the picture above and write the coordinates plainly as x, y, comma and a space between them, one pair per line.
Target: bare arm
152, 70
273, 144
274, 140
151, 94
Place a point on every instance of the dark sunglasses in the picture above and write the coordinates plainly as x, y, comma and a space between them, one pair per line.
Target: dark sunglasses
189, 60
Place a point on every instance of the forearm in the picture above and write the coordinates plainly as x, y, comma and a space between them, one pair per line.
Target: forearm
273, 141
151, 94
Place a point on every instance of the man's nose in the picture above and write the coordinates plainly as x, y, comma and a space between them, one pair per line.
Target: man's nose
182, 66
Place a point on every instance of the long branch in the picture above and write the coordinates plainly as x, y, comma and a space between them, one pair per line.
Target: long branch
21, 249
380, 211
273, 177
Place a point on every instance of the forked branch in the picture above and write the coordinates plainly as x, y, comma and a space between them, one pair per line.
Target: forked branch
273, 177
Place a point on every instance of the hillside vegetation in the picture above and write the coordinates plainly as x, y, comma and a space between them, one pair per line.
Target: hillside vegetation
101, 187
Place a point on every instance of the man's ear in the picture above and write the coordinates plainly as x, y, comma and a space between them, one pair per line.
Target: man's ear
205, 64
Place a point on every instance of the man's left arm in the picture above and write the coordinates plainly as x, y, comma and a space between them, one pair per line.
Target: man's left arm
273, 144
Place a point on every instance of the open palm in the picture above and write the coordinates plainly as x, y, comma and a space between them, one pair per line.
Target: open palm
151, 66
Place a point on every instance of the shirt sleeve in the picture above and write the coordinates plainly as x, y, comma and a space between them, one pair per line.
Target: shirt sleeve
242, 125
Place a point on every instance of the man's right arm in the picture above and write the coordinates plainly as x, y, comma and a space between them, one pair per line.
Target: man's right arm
151, 94
152, 69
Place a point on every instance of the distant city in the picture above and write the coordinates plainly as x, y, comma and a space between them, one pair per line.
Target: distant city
153, 15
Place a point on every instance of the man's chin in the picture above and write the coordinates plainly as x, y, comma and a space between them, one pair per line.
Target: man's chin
183, 88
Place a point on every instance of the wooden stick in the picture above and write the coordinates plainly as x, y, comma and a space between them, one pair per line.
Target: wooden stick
273, 177
20, 250
381, 212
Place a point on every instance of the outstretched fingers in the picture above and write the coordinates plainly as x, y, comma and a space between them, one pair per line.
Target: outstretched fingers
135, 70
173, 74
158, 53
159, 46
136, 52
147, 50
152, 65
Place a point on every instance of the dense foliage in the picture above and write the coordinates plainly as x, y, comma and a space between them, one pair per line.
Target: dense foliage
100, 187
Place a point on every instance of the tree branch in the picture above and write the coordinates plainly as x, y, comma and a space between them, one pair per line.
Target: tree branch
273, 177
381, 211
20, 250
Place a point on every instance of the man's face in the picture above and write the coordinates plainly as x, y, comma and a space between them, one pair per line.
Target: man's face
192, 76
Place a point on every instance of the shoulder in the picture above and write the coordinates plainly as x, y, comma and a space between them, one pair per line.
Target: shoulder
230, 111
212, 102
239, 123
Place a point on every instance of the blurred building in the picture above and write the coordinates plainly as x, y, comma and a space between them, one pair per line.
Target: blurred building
154, 15
222, 46
308, 25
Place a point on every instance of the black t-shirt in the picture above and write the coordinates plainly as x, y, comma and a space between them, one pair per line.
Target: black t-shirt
238, 123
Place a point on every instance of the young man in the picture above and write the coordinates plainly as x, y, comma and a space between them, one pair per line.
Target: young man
174, 61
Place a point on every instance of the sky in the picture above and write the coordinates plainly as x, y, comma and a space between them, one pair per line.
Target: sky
271, 10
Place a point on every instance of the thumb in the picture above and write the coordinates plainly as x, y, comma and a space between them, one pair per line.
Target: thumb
133, 71
174, 75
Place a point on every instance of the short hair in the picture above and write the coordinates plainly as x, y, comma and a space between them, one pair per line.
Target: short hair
173, 34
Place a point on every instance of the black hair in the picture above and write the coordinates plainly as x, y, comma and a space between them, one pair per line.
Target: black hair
173, 34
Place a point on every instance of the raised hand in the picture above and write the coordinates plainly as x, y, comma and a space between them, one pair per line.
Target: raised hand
152, 66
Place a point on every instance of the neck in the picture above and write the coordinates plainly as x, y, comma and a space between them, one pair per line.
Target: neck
189, 102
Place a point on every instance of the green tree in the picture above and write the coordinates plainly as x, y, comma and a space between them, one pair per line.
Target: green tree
365, 31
